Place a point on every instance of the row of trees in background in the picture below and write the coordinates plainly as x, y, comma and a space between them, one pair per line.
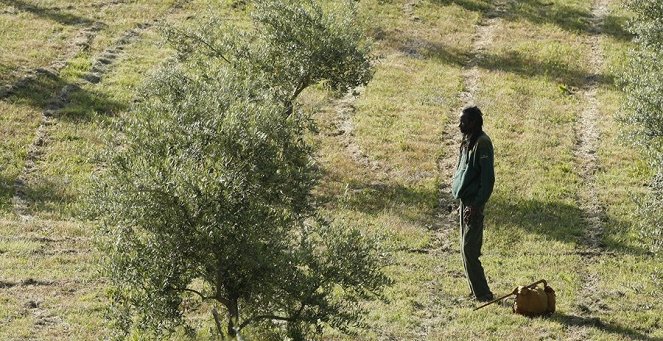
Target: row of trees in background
644, 116
206, 196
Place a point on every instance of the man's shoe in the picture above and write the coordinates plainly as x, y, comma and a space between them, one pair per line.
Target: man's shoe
486, 298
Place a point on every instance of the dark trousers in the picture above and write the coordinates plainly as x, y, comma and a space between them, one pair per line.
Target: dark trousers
471, 240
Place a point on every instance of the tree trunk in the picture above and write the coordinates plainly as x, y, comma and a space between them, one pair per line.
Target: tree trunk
233, 318
217, 320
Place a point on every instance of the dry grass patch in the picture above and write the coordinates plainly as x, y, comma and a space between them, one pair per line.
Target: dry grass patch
18, 123
29, 40
48, 286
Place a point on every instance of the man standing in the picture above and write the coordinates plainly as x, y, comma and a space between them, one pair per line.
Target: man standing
472, 184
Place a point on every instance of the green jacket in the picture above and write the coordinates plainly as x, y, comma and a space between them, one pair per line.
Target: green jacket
475, 176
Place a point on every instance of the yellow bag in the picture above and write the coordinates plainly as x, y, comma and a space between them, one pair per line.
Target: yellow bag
534, 301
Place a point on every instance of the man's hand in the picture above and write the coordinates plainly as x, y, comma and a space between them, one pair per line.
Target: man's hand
468, 214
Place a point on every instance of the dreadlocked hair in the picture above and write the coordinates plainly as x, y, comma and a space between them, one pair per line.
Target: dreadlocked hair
475, 115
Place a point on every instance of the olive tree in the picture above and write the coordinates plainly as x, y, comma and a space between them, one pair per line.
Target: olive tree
206, 191
644, 106
295, 44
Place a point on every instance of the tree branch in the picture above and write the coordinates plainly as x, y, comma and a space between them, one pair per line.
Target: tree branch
193, 291
303, 84
207, 44
224, 301
173, 200
217, 321
291, 318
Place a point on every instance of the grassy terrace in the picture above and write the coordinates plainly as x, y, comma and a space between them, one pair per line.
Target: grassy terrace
534, 81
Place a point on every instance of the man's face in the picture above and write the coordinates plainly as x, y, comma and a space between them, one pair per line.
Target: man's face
465, 124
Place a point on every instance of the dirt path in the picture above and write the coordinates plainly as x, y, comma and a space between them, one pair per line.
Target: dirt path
409, 9
37, 293
445, 229
345, 110
451, 137
480, 43
588, 139
101, 66
81, 41
57, 102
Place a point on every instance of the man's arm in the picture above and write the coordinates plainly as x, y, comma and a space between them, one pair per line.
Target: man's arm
487, 176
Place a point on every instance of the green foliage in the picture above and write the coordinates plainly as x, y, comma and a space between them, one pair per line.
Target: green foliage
210, 182
648, 23
294, 44
321, 46
644, 87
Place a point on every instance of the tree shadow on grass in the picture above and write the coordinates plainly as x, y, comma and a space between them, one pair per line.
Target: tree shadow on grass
419, 205
547, 12
6, 193
6, 75
614, 26
39, 195
511, 62
416, 204
49, 195
561, 15
555, 220
55, 14
517, 63
67, 101
596, 323
470, 5
566, 17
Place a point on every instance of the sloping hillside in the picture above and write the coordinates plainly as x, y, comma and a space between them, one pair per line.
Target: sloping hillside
543, 73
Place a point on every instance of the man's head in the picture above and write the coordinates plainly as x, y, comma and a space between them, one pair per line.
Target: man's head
471, 120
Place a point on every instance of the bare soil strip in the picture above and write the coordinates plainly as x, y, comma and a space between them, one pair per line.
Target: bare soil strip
106, 59
451, 136
481, 41
31, 291
101, 66
588, 135
588, 140
409, 8
79, 43
446, 220
58, 101
345, 109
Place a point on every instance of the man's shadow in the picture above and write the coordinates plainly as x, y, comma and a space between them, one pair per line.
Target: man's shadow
594, 322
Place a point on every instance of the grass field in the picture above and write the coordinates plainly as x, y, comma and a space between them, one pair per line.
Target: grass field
542, 71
